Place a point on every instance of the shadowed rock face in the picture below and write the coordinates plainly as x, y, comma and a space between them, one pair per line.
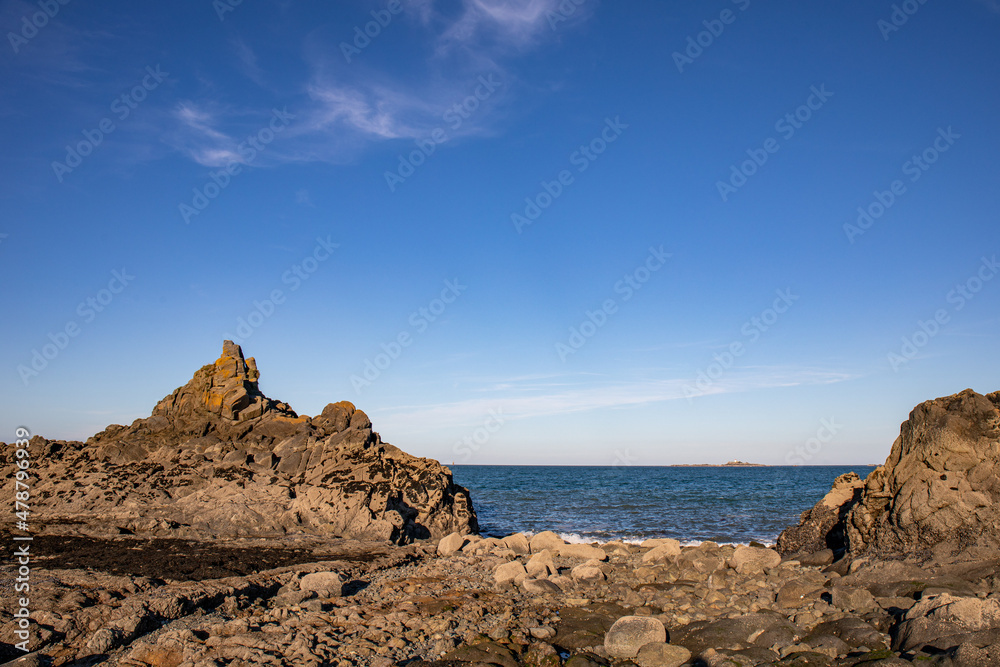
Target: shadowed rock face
938, 493
217, 458
821, 527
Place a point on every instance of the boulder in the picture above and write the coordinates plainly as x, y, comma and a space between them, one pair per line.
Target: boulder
328, 584
853, 631
858, 600
584, 551
542, 564
509, 572
799, 592
546, 540
661, 541
218, 459
540, 586
735, 634
589, 571
662, 551
630, 633
750, 560
517, 543
660, 654
450, 544
946, 621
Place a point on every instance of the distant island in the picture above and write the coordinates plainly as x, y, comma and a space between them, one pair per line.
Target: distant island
731, 464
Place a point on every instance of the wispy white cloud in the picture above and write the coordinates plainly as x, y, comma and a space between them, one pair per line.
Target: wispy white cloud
199, 137
247, 61
527, 397
346, 107
513, 23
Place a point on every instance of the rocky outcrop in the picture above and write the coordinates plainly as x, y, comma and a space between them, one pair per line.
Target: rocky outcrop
937, 495
821, 527
218, 458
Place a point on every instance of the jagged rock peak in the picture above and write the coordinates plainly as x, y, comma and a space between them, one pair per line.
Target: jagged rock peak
228, 388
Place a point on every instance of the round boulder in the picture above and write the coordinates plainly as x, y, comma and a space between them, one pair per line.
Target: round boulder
662, 655
750, 560
323, 583
631, 633
450, 544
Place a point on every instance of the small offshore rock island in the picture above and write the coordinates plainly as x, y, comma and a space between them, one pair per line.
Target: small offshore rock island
226, 529
730, 464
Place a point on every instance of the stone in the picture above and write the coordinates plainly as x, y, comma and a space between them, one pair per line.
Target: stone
630, 633
799, 592
327, 584
858, 600
588, 571
104, 640
517, 543
451, 543
854, 632
661, 541
815, 559
546, 540
586, 660
970, 655
660, 654
509, 572
732, 633
542, 632
27, 660
540, 586
582, 627
484, 653
584, 551
946, 621
662, 552
751, 560
218, 459
542, 564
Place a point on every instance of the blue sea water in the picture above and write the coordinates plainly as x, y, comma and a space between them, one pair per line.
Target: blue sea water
633, 503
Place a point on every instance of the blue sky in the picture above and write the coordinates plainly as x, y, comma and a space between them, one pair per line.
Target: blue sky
516, 231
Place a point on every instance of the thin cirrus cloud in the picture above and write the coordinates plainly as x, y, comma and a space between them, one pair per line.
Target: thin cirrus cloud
526, 400
199, 137
342, 108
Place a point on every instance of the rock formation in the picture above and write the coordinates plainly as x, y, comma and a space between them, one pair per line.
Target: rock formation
821, 527
937, 494
217, 458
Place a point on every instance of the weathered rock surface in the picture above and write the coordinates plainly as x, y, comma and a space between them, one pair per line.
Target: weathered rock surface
821, 527
937, 495
217, 458
946, 621
377, 605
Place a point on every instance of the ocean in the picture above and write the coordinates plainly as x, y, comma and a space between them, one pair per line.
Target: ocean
634, 503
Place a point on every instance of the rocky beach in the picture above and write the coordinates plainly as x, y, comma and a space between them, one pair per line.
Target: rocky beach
226, 529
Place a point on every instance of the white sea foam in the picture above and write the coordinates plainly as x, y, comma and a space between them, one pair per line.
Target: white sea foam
576, 538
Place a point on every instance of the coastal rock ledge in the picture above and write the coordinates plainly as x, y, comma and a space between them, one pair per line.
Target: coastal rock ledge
217, 458
935, 497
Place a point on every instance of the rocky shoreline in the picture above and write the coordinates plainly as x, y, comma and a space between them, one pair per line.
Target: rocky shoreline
520, 601
225, 529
